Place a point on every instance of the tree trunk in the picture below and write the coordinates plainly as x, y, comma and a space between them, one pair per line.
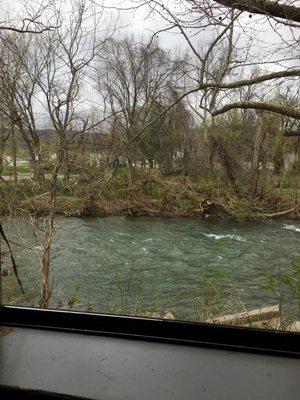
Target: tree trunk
2, 151
82, 151
45, 265
297, 154
131, 169
212, 151
39, 174
259, 137
130, 157
151, 163
14, 155
65, 161
227, 162
46, 290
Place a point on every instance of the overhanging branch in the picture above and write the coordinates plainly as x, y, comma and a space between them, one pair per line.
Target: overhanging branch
265, 7
277, 109
254, 81
27, 30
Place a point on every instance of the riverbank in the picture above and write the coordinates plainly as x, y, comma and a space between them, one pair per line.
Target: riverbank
151, 195
143, 206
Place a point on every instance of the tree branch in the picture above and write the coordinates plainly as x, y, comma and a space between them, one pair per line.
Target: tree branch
277, 109
253, 81
265, 7
25, 30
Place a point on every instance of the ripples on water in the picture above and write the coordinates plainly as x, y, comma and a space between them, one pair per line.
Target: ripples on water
173, 259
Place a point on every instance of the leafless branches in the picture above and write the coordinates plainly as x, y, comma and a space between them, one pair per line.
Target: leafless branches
282, 10
136, 79
235, 45
36, 16
282, 110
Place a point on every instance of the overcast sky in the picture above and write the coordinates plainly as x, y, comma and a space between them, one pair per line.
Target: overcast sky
134, 21
138, 22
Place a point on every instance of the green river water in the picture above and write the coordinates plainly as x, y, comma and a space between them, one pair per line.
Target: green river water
159, 264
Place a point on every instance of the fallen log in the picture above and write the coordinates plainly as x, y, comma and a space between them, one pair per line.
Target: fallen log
294, 327
260, 314
277, 214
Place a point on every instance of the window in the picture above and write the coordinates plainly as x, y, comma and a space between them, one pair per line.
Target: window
149, 162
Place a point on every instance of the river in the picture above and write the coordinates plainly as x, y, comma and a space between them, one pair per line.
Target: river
122, 264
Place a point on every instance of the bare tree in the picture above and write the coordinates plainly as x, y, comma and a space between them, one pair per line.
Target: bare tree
21, 68
134, 77
67, 54
35, 16
224, 18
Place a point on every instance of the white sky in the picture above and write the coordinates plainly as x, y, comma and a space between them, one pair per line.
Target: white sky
139, 23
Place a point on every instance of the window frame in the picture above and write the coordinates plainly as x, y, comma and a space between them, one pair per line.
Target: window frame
230, 338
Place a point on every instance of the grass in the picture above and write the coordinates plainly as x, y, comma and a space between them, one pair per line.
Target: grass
216, 298
21, 169
151, 194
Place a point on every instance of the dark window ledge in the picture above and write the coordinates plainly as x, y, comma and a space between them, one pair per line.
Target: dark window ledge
7, 392
165, 331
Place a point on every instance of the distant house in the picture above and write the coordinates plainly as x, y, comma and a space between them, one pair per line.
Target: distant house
97, 148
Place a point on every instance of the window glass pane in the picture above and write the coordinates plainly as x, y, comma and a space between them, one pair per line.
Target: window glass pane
150, 160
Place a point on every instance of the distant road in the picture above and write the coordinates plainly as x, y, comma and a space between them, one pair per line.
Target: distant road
25, 176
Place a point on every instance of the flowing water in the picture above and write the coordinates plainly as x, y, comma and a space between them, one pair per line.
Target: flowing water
161, 264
